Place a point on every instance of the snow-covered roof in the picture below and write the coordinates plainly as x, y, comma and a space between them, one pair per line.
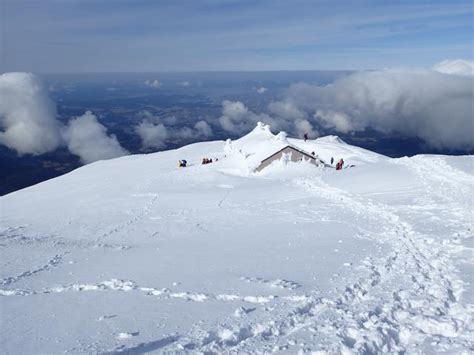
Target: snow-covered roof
261, 143
293, 148
257, 145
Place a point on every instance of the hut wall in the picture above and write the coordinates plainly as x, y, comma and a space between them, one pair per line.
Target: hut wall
295, 156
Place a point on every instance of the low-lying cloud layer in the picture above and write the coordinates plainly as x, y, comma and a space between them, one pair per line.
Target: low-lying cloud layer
435, 107
455, 67
238, 119
426, 104
88, 139
432, 106
27, 115
153, 135
153, 83
28, 123
156, 132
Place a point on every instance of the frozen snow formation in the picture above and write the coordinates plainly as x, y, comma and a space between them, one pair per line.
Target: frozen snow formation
136, 255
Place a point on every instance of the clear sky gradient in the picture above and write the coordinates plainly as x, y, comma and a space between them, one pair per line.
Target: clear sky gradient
48, 36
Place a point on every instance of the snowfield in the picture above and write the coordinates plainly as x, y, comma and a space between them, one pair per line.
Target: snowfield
135, 255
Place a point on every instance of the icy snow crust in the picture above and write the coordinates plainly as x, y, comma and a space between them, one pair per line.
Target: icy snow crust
136, 255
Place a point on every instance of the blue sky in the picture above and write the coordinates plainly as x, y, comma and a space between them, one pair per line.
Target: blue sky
144, 35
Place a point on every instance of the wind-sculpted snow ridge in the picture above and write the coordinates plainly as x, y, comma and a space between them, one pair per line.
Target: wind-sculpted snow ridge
136, 255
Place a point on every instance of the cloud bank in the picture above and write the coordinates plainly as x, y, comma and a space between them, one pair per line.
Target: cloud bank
238, 119
28, 123
153, 83
432, 106
455, 67
88, 139
152, 135
156, 132
27, 115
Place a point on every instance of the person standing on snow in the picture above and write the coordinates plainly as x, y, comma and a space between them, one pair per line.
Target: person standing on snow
340, 164
305, 137
332, 160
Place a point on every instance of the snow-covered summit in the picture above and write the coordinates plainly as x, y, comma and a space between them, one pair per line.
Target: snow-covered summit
260, 143
136, 255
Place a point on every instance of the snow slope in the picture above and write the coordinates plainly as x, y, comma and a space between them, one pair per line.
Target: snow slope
136, 255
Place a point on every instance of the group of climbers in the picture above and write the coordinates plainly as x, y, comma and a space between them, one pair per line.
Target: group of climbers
339, 164
208, 161
184, 163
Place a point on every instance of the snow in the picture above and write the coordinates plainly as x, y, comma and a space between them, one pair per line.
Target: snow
136, 255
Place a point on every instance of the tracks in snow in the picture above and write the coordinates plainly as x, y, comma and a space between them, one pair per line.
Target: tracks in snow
50, 264
159, 293
134, 219
410, 298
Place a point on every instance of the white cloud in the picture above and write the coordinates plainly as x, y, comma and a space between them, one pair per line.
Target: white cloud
261, 89
153, 83
88, 139
184, 133
155, 132
286, 110
203, 128
28, 122
303, 127
455, 67
152, 135
337, 120
184, 83
434, 107
237, 118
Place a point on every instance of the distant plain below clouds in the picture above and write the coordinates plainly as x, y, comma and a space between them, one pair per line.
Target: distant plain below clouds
434, 105
29, 124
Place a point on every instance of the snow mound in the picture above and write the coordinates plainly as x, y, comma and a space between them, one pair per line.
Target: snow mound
244, 155
455, 67
256, 146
